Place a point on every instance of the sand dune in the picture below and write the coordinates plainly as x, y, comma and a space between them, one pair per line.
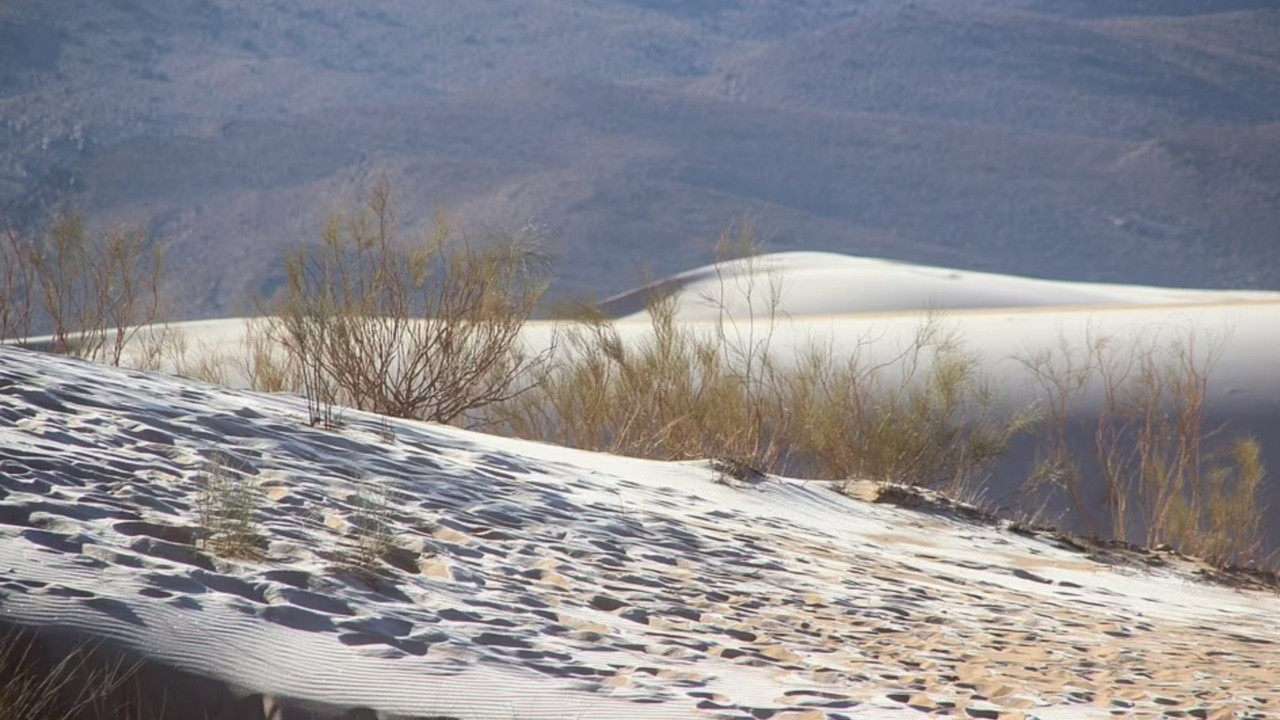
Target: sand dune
817, 295
816, 284
525, 580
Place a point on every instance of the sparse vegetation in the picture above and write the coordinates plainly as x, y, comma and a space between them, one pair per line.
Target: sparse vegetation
75, 685
226, 509
1164, 476
431, 330
90, 294
924, 417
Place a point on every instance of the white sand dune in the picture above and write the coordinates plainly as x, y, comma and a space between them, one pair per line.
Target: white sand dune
852, 300
818, 284
525, 580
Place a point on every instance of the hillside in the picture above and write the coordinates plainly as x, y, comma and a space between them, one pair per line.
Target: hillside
1114, 141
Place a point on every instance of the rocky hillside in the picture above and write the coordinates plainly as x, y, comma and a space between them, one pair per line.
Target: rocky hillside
1124, 140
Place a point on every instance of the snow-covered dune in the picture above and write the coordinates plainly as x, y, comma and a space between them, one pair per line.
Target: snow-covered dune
524, 580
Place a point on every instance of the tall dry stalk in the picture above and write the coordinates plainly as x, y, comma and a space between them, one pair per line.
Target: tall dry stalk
92, 295
82, 683
1162, 476
746, 344
1060, 374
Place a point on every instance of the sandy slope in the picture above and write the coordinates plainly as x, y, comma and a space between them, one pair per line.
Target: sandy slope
532, 581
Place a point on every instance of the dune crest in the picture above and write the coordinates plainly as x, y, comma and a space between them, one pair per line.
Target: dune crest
817, 284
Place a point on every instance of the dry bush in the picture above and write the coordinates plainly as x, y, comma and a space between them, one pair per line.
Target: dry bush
156, 348
924, 417
428, 331
684, 391
1163, 476
75, 686
677, 393
91, 294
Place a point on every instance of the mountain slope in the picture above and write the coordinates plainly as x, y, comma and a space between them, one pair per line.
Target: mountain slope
1091, 141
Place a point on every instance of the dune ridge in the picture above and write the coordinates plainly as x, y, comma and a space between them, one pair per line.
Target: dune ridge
822, 284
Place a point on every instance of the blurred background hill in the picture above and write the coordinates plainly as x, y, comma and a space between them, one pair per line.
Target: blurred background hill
1112, 140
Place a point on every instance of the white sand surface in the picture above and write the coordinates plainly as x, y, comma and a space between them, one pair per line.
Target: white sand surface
819, 284
525, 580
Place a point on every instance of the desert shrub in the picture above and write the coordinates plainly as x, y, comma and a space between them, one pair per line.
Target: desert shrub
428, 330
261, 363
91, 294
1059, 374
370, 522
925, 416
1164, 476
677, 392
672, 394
